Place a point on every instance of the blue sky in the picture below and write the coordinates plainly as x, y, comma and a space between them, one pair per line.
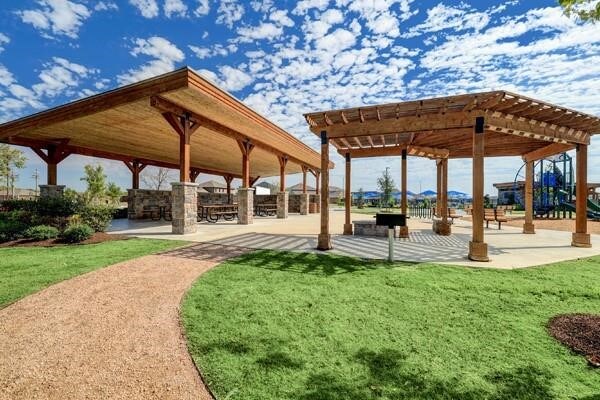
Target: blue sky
284, 58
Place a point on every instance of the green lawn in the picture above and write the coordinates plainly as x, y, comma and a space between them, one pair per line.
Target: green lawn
25, 270
274, 325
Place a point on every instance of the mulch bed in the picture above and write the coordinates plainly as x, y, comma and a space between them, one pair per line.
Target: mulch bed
99, 237
579, 332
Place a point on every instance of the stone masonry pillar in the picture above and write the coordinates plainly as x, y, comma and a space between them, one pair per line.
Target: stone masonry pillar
51, 191
184, 207
245, 206
282, 204
304, 202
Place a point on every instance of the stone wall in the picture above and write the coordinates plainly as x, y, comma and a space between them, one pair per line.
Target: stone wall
265, 199
368, 228
184, 208
51, 191
138, 199
215, 198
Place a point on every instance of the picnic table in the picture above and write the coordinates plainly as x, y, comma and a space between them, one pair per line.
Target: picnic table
266, 209
213, 212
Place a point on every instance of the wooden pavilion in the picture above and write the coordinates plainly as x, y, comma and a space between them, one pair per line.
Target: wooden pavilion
176, 120
479, 125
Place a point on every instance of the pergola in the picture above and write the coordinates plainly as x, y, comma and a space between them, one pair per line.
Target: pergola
176, 120
478, 125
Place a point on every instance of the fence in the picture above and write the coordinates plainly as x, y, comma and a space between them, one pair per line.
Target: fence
420, 212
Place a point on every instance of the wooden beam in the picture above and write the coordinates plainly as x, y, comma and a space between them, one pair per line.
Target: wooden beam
477, 246
165, 105
194, 173
253, 180
347, 196
246, 148
391, 151
509, 124
581, 237
304, 173
547, 151
404, 124
528, 226
282, 163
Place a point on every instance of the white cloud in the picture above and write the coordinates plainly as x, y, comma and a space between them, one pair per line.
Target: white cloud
165, 55
3, 40
229, 11
60, 17
216, 50
442, 17
106, 6
265, 30
233, 79
59, 76
280, 17
336, 41
203, 8
304, 5
148, 8
175, 8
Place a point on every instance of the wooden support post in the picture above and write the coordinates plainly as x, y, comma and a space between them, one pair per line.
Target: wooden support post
246, 148
404, 196
438, 194
528, 226
53, 156
194, 173
228, 180
253, 180
185, 128
317, 181
136, 167
477, 247
348, 197
304, 172
282, 163
324, 239
581, 237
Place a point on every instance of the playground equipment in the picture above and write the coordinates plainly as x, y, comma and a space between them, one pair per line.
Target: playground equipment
553, 188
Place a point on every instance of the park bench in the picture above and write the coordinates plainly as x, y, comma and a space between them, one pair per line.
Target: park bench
453, 213
213, 216
489, 214
500, 218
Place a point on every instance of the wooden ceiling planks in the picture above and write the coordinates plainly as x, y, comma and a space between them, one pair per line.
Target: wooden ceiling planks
123, 122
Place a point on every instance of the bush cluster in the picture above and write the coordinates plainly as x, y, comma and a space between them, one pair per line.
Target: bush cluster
24, 218
77, 233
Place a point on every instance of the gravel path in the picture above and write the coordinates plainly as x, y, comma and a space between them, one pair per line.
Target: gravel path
113, 333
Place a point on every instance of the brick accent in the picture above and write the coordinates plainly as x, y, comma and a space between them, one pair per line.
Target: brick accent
245, 206
52, 190
304, 201
282, 204
184, 208
441, 228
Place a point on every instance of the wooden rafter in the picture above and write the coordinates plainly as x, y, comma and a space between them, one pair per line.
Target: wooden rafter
547, 151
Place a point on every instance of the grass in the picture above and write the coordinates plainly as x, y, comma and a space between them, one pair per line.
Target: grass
276, 325
25, 270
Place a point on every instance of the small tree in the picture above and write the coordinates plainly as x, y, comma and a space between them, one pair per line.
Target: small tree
113, 192
360, 198
10, 159
157, 178
96, 183
386, 187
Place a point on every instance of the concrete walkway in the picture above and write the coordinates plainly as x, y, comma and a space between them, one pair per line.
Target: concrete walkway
110, 334
508, 248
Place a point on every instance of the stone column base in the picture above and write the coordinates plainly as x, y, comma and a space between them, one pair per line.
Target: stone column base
403, 233
184, 207
581, 240
442, 228
304, 203
51, 191
324, 242
528, 228
347, 229
245, 198
478, 252
282, 204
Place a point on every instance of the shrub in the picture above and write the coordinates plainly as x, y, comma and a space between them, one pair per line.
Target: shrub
41, 232
56, 206
11, 230
77, 233
98, 217
19, 205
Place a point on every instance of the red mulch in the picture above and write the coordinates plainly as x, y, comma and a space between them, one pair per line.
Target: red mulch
579, 332
99, 237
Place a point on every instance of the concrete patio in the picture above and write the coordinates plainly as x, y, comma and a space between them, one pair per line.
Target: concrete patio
508, 248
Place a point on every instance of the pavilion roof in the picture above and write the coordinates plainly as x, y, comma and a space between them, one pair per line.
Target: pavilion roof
515, 125
127, 124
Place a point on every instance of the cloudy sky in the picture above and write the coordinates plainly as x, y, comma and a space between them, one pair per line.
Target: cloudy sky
284, 58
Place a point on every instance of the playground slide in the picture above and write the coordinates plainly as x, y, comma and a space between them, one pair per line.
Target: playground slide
590, 213
592, 205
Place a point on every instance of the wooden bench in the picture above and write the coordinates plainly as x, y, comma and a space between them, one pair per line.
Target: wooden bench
453, 213
500, 218
489, 214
